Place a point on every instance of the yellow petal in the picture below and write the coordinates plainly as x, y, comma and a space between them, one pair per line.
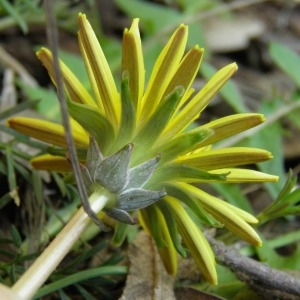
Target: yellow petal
184, 76
91, 76
101, 71
163, 71
230, 216
133, 62
194, 240
187, 70
76, 126
167, 251
247, 217
51, 163
231, 125
223, 158
236, 175
192, 110
46, 131
75, 89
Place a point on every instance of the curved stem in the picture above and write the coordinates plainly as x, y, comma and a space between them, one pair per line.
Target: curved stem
27, 286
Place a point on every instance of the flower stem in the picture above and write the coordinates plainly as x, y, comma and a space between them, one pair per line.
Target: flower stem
27, 286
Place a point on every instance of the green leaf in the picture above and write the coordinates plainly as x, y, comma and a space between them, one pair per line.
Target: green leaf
181, 144
152, 220
12, 272
154, 16
58, 218
12, 180
228, 287
120, 234
84, 293
287, 60
94, 122
16, 236
95, 250
229, 91
80, 276
37, 187
173, 171
196, 35
11, 10
60, 184
198, 6
127, 125
76, 65
22, 138
268, 255
4, 200
294, 116
285, 204
172, 227
16, 109
63, 295
232, 194
270, 139
48, 104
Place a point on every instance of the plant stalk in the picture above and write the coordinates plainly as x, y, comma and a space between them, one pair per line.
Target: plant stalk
27, 286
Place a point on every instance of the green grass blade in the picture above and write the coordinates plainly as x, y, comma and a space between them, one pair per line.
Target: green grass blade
80, 276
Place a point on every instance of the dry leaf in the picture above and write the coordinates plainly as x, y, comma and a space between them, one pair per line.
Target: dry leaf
192, 294
223, 35
147, 278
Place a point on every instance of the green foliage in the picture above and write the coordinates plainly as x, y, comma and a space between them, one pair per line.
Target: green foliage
228, 287
287, 60
155, 17
13, 256
14, 170
291, 66
18, 10
45, 100
27, 13
285, 204
269, 255
234, 195
271, 138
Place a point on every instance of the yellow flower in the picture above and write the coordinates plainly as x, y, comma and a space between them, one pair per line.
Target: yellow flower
156, 122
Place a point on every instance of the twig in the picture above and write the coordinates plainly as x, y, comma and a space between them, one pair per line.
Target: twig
266, 281
10, 62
